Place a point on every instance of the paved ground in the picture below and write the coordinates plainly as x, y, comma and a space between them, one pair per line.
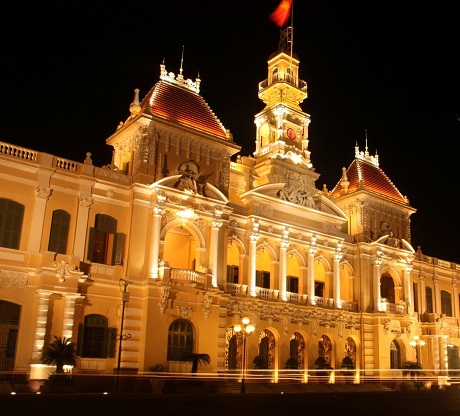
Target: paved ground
374, 403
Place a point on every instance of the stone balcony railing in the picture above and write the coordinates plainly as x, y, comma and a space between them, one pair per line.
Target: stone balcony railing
296, 298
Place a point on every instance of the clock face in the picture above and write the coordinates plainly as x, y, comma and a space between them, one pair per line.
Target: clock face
291, 134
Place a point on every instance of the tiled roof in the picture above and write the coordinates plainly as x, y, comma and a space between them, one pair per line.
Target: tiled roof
182, 106
369, 177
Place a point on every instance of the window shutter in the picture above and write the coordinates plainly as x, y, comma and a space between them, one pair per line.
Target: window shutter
89, 254
81, 335
117, 253
110, 341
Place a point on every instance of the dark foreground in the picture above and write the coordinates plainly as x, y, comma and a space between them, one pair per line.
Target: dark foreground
386, 403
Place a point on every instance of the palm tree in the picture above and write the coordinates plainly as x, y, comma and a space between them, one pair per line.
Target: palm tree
61, 352
196, 359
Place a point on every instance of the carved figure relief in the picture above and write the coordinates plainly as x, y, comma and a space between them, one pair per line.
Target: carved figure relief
191, 180
295, 192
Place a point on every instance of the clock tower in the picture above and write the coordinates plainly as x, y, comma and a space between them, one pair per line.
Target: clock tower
282, 126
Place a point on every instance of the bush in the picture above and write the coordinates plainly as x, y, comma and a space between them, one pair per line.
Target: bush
157, 368
291, 364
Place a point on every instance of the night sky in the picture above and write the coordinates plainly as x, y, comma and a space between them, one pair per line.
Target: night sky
69, 69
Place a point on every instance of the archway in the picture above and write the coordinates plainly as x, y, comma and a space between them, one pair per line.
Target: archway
9, 325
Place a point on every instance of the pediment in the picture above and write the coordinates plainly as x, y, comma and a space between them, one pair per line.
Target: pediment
204, 190
303, 204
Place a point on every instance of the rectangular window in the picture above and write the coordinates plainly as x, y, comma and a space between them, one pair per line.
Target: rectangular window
415, 296
263, 279
292, 283
319, 289
429, 300
232, 274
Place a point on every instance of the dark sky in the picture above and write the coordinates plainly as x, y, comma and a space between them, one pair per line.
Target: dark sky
68, 71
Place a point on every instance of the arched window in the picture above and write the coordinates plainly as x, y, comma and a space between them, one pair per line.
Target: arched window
429, 299
11, 216
297, 349
395, 355
95, 338
180, 340
325, 348
233, 357
59, 232
105, 244
446, 303
266, 357
387, 288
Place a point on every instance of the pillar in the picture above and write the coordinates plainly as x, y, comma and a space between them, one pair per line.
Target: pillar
214, 245
376, 262
81, 226
38, 215
336, 279
155, 243
69, 311
43, 297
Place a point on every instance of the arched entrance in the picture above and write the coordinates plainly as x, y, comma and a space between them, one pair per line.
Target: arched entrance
9, 324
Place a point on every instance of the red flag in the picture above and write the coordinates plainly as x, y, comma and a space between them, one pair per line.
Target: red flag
281, 14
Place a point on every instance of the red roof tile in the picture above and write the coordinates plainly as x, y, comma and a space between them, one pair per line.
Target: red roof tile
369, 177
182, 106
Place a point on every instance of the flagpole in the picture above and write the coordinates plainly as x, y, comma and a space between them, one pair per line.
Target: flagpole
292, 29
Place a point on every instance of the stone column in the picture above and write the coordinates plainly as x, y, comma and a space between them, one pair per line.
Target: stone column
214, 245
437, 295
43, 297
336, 277
407, 289
311, 272
377, 262
157, 212
69, 311
422, 293
455, 297
81, 226
42, 194
252, 259
284, 244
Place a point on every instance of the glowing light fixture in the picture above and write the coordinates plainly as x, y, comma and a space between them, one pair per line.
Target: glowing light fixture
246, 329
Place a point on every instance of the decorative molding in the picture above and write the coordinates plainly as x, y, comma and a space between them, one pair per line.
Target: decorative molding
15, 280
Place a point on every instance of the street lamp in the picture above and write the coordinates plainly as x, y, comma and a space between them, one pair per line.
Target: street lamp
417, 344
122, 337
246, 329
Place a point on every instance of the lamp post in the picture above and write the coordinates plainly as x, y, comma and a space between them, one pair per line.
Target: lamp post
417, 344
125, 299
246, 328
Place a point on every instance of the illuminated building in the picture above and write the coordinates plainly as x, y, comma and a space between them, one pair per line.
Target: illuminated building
206, 237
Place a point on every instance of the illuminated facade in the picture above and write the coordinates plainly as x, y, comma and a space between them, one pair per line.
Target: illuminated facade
199, 241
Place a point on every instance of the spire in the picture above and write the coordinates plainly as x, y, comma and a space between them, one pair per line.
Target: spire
135, 106
181, 60
366, 153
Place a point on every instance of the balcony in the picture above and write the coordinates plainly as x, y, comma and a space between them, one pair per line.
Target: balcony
283, 77
294, 298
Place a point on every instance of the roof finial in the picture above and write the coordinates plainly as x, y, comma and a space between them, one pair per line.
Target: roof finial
366, 149
181, 60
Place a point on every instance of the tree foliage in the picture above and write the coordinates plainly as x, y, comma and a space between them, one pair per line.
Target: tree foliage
196, 359
60, 352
